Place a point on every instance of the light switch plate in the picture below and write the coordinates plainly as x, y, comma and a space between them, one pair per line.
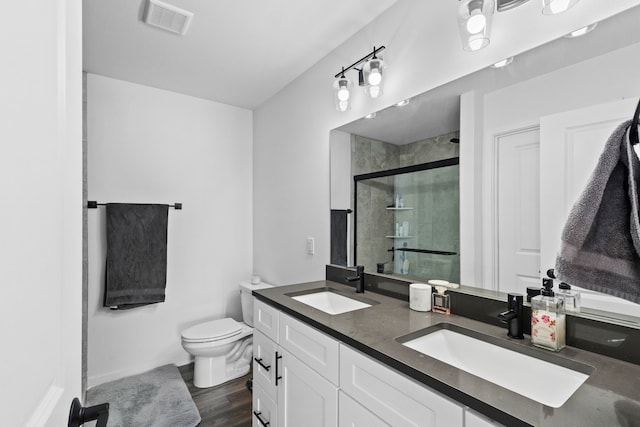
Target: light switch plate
311, 245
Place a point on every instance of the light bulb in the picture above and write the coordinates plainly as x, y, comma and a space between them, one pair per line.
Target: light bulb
552, 7
476, 22
343, 93
477, 43
343, 106
375, 77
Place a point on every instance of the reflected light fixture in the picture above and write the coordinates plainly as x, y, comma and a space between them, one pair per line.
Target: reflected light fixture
342, 92
474, 22
370, 76
403, 103
370, 115
552, 7
581, 31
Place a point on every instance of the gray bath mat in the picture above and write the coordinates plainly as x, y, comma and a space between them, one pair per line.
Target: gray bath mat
157, 398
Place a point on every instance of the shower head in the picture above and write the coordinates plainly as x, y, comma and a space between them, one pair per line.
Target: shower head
455, 140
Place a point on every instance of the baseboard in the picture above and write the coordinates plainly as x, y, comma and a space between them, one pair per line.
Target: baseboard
94, 380
42, 414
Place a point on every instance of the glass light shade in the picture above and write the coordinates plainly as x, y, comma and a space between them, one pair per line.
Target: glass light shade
474, 22
342, 93
552, 7
373, 73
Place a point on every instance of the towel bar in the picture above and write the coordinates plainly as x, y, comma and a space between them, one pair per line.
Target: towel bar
92, 204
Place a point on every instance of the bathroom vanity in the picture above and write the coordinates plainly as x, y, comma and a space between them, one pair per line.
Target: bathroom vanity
353, 368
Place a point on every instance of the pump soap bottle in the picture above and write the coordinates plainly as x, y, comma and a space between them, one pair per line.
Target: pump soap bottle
548, 325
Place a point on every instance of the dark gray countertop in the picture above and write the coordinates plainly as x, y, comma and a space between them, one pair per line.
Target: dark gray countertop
609, 397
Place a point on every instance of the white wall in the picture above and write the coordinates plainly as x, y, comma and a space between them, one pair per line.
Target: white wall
291, 130
41, 215
151, 146
595, 81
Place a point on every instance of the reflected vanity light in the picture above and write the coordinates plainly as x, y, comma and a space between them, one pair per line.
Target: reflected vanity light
403, 103
581, 31
370, 116
503, 63
553, 7
474, 22
370, 76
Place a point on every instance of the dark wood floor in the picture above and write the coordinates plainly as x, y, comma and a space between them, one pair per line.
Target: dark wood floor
227, 405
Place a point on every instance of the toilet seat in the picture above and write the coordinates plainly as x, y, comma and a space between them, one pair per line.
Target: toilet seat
214, 330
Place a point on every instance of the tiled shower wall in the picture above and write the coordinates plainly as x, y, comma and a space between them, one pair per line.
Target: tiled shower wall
436, 211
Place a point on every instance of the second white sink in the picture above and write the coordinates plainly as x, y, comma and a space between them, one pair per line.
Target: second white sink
331, 302
542, 381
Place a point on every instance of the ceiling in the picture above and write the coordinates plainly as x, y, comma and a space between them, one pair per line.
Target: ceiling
237, 52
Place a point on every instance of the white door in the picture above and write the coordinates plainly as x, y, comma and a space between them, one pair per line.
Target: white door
304, 397
518, 210
41, 215
570, 145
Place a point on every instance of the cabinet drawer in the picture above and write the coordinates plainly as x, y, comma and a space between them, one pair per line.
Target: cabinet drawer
264, 363
474, 419
265, 411
317, 350
265, 319
396, 399
352, 414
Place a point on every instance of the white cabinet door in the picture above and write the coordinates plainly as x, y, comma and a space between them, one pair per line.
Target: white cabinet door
264, 363
352, 414
395, 398
265, 319
313, 347
265, 411
304, 397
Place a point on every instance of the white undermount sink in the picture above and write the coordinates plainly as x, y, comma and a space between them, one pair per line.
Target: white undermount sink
539, 380
330, 302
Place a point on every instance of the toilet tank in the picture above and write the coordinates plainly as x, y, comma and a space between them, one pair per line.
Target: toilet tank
246, 299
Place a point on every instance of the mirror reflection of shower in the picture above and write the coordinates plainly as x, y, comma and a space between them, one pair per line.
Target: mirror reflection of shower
406, 221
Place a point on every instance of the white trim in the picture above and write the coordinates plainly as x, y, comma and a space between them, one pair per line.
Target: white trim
45, 408
95, 380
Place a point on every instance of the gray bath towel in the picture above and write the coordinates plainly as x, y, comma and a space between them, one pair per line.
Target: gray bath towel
601, 239
136, 272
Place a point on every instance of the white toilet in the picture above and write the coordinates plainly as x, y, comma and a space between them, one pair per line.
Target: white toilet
223, 348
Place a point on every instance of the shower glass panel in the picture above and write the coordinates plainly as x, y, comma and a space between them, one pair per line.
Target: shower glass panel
407, 221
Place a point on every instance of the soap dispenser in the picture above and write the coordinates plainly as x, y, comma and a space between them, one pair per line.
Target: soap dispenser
548, 324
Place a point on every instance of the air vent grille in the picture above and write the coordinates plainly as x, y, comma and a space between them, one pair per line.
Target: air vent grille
167, 17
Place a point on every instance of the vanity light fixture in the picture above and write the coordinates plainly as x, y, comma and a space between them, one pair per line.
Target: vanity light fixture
370, 115
370, 76
342, 92
581, 31
474, 22
403, 103
553, 7
503, 63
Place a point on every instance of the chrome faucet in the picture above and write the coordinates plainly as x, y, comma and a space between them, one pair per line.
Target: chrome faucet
514, 316
359, 277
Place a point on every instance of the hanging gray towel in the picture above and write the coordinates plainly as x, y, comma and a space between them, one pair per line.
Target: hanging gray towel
601, 239
136, 272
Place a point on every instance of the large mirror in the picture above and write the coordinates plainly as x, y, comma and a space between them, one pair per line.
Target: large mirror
527, 137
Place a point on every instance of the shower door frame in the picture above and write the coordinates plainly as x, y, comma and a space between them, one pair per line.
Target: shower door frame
390, 172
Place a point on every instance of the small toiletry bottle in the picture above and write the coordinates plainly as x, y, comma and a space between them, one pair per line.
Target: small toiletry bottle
440, 301
397, 232
571, 298
400, 201
397, 200
405, 266
548, 325
405, 228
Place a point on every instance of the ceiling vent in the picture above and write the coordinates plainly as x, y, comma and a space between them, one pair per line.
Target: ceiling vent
167, 17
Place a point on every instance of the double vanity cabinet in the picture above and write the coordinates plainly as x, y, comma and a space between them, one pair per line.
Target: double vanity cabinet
304, 377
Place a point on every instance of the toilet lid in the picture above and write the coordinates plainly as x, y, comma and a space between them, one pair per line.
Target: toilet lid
213, 330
